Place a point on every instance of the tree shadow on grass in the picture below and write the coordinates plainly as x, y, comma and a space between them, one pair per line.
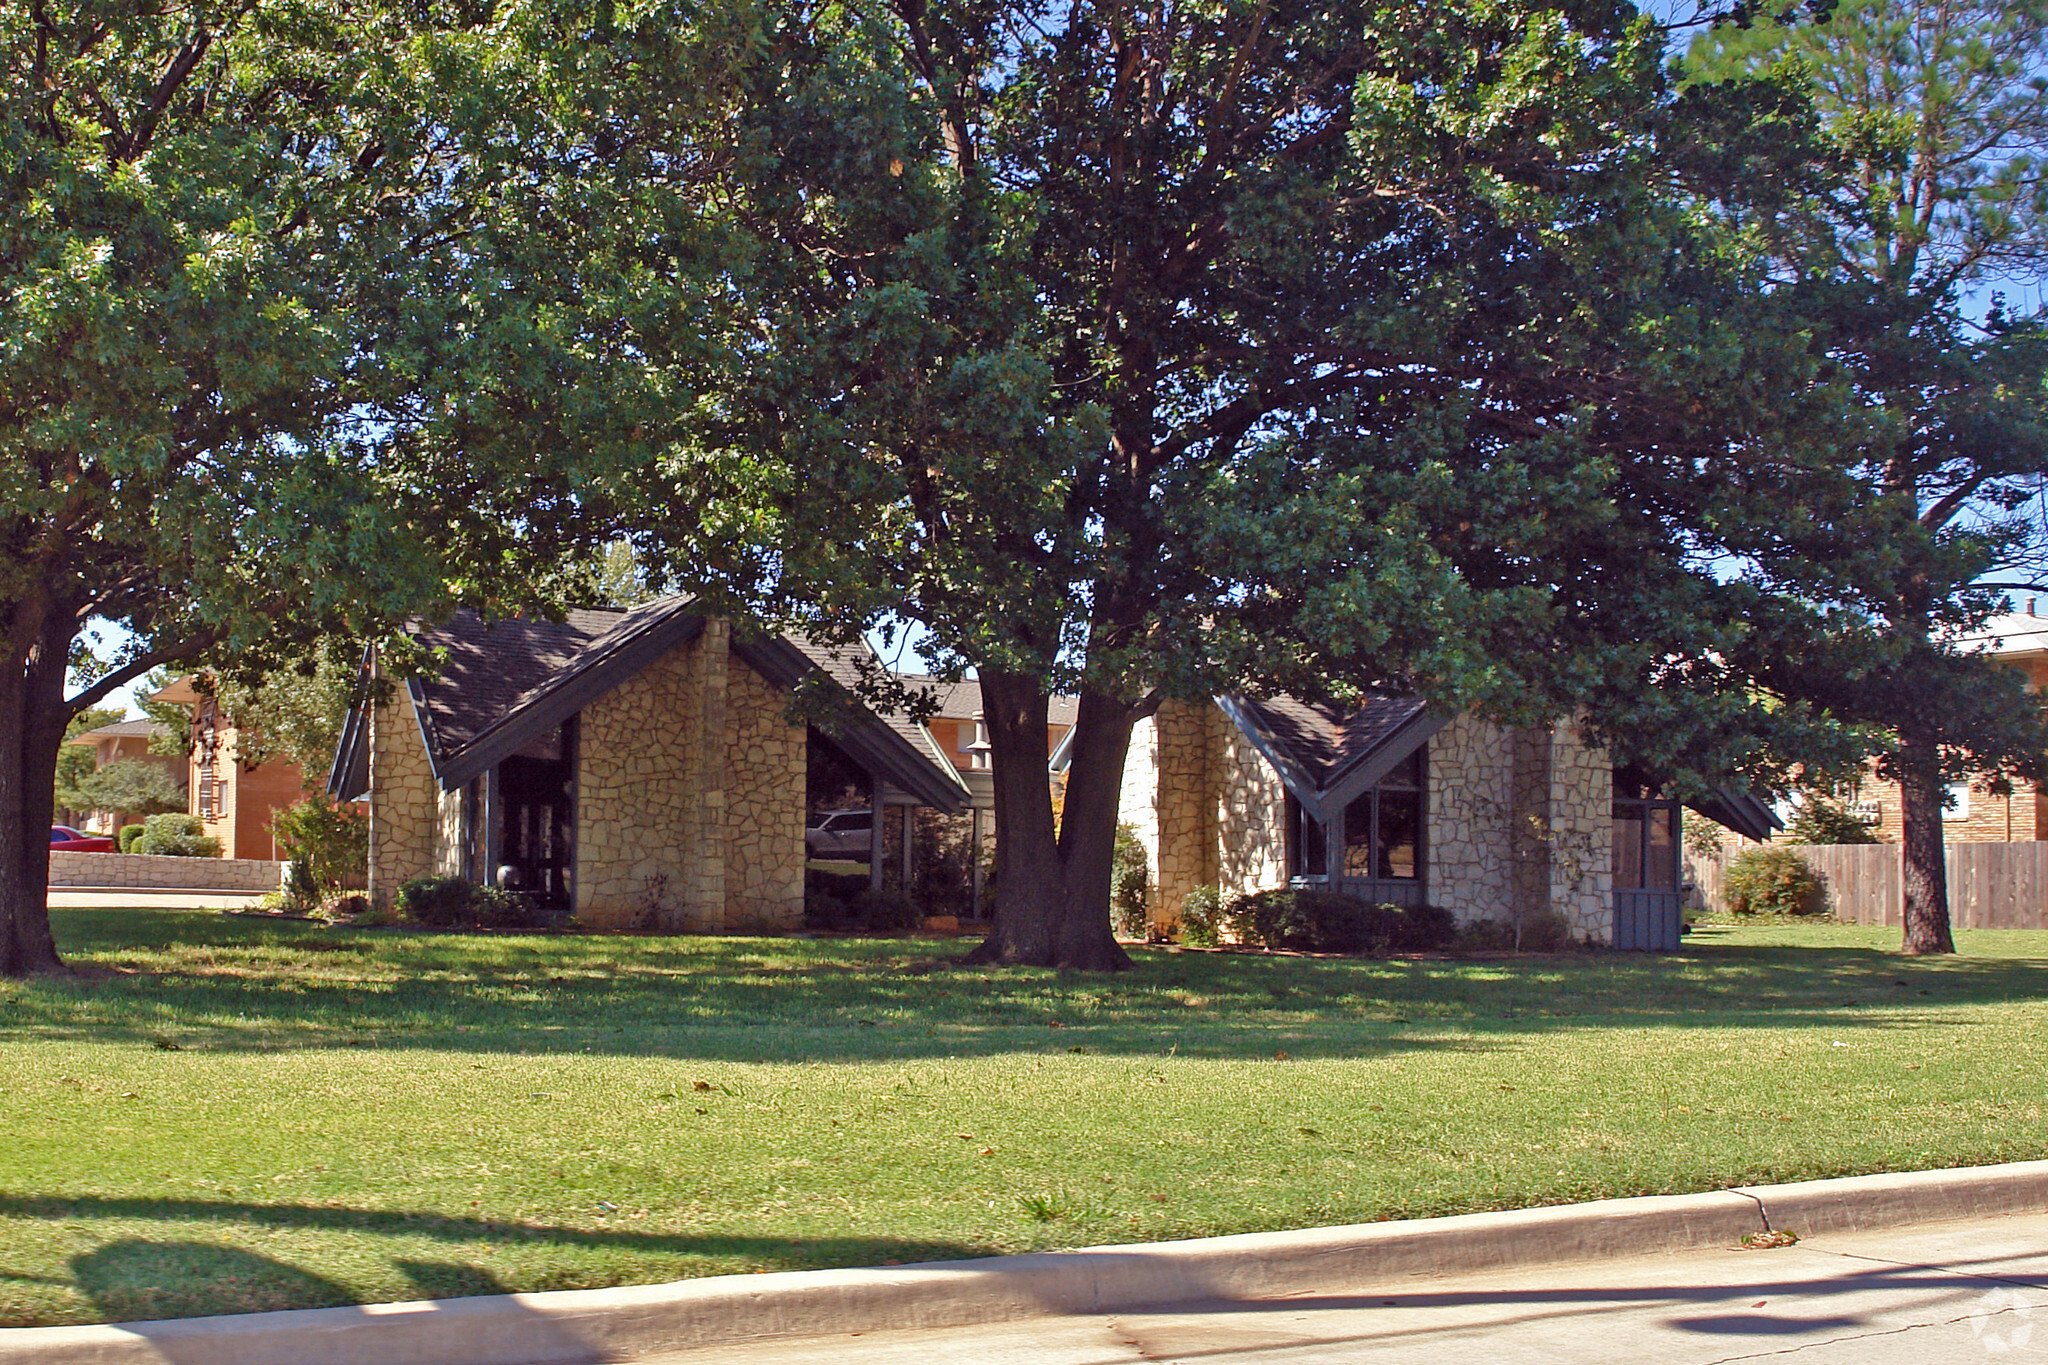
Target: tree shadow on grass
169, 1264
137, 1280
191, 980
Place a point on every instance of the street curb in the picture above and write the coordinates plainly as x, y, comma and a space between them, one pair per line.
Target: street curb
588, 1325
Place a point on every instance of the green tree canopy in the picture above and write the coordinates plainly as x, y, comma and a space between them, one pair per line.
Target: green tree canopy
1938, 114
279, 353
1162, 352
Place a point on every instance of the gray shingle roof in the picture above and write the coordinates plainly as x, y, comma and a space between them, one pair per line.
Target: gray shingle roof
125, 729
1324, 739
960, 700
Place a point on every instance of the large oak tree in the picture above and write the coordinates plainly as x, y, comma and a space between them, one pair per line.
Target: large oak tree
276, 348
1159, 351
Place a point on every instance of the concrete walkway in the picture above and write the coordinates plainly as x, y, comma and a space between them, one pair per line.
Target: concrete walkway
1934, 1294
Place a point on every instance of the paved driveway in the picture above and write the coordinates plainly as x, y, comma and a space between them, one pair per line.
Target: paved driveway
1932, 1295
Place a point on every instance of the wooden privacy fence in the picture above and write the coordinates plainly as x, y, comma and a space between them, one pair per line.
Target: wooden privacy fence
1990, 886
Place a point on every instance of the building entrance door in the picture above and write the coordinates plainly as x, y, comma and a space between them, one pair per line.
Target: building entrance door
536, 827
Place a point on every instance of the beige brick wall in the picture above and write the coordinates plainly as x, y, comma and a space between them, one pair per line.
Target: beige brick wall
765, 807
405, 813
1138, 800
1471, 813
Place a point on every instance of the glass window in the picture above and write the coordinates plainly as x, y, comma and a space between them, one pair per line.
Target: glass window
1660, 861
1383, 829
1358, 822
1400, 835
1628, 843
1646, 832
1308, 855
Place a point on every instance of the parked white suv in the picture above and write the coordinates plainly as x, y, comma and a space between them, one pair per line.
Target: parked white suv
839, 834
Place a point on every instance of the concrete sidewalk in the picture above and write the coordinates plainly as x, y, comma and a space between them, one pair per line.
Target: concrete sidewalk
1931, 1295
1664, 1273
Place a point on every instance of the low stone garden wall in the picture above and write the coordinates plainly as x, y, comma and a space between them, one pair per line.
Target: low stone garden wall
68, 867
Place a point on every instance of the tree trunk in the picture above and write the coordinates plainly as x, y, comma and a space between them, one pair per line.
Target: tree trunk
1926, 858
33, 713
1052, 887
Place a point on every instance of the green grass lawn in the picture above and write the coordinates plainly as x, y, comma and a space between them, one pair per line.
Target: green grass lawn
227, 1114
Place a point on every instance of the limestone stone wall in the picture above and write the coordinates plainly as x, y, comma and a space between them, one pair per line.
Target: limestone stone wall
1582, 838
158, 872
640, 801
1186, 854
1251, 813
1470, 839
405, 811
1138, 798
764, 866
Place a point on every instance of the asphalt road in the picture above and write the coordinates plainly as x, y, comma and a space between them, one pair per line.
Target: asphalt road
1931, 1295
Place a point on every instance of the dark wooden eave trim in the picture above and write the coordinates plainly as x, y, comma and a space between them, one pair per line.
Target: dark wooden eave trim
1356, 774
1747, 815
869, 742
1362, 772
1292, 774
348, 777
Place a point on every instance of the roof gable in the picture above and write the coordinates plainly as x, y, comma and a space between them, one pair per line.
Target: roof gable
1327, 755
506, 682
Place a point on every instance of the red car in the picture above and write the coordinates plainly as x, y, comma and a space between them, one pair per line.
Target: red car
71, 841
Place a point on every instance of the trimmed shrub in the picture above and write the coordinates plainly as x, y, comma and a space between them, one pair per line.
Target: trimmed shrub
1772, 881
1128, 880
300, 893
1543, 932
886, 911
175, 836
1302, 919
1201, 917
823, 910
457, 903
125, 839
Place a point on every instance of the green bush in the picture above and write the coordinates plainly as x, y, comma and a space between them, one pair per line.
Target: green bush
825, 911
1772, 881
1128, 880
457, 903
125, 840
175, 836
1542, 932
1201, 917
1823, 822
886, 910
332, 841
301, 893
1302, 919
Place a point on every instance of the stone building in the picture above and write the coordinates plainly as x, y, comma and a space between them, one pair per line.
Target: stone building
640, 768
1392, 802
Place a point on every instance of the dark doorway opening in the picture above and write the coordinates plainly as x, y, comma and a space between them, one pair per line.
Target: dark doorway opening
537, 818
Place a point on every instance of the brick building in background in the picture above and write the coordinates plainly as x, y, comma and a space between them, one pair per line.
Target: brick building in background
1976, 815
234, 800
